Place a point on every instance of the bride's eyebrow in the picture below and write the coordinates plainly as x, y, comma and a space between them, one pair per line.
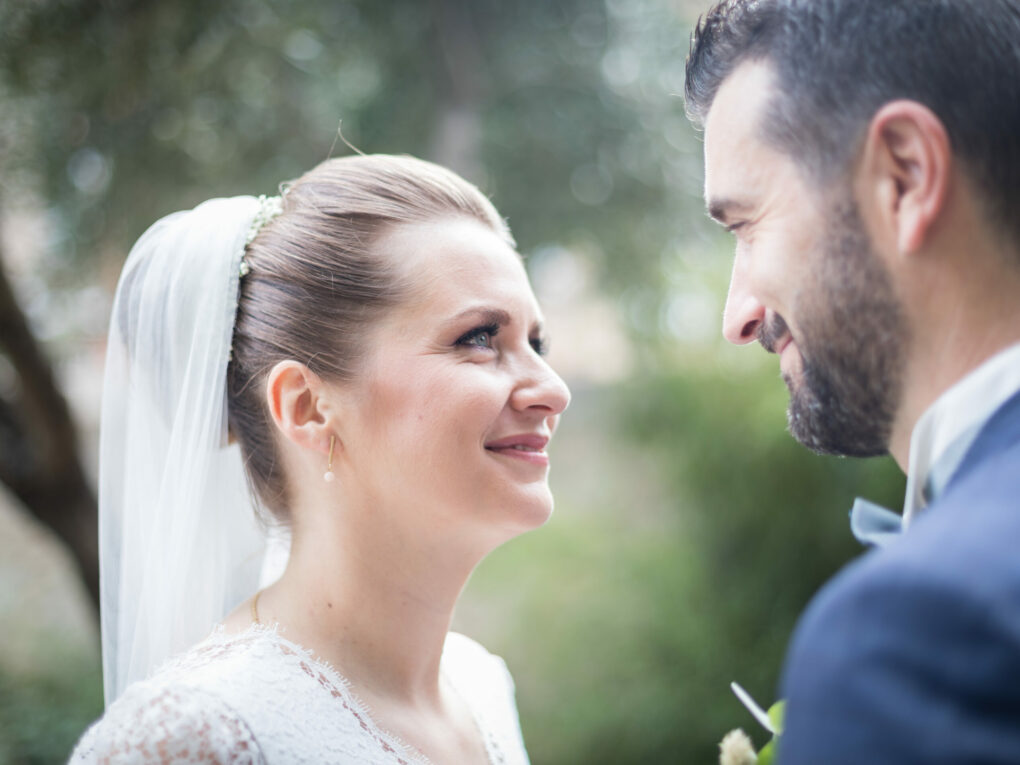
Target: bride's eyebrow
484, 315
494, 316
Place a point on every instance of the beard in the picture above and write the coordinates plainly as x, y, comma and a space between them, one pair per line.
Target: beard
852, 347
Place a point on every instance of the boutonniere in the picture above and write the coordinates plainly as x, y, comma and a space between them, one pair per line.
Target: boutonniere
736, 747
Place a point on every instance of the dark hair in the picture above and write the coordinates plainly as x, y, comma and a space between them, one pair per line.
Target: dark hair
316, 281
838, 61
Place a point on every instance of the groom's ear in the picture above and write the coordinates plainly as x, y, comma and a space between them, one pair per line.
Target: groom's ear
300, 405
906, 171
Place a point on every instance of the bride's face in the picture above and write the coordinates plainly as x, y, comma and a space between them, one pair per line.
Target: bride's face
454, 406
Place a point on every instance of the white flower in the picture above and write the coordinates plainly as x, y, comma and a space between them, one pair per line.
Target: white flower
736, 749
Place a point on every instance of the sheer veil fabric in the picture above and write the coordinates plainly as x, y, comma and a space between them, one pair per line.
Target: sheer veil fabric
180, 543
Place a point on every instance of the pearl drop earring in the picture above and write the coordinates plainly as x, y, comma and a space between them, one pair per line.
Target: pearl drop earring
329, 477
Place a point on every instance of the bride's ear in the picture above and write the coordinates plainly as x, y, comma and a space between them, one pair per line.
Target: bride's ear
300, 405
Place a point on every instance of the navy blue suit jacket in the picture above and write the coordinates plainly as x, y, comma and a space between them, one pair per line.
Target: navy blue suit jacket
912, 653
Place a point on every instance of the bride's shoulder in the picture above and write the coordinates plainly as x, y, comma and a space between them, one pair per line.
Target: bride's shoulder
184, 712
484, 682
461, 647
470, 664
161, 721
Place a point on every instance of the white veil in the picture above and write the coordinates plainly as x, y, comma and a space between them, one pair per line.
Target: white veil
180, 544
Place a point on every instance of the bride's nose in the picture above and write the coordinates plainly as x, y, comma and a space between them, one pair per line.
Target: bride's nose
540, 389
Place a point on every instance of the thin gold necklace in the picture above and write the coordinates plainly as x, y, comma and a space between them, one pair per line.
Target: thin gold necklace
255, 608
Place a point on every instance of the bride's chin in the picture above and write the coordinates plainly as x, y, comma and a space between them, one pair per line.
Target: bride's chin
533, 511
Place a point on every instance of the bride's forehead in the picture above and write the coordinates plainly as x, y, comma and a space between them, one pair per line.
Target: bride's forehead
456, 258
461, 292
445, 244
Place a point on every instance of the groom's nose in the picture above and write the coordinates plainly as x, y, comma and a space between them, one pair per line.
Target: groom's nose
744, 313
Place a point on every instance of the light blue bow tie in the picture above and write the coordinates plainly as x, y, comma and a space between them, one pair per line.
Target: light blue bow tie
873, 524
877, 526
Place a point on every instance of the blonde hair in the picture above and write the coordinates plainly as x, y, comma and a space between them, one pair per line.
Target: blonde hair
316, 281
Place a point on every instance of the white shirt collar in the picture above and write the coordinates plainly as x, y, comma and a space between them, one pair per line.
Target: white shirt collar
949, 426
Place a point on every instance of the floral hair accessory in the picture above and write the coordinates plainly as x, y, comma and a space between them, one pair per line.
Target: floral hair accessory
269, 208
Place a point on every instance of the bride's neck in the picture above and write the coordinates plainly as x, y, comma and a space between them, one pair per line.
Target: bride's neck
376, 605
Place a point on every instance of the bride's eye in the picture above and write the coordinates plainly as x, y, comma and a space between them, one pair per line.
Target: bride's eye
479, 337
540, 345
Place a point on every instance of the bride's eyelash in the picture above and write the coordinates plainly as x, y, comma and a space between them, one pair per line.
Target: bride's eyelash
539, 344
486, 329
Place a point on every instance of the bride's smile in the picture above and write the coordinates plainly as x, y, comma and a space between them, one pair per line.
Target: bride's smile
529, 447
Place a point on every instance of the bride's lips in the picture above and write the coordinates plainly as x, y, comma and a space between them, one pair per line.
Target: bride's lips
527, 447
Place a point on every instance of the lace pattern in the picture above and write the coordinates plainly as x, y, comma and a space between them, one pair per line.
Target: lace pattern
257, 698
170, 725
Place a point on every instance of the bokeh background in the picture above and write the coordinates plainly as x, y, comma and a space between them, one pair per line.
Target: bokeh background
690, 529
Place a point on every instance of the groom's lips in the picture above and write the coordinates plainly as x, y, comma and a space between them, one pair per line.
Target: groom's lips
785, 364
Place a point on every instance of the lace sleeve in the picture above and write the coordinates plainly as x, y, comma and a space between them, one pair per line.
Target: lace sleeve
168, 724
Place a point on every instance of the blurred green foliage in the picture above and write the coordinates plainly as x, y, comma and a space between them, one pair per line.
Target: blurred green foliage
691, 529
44, 712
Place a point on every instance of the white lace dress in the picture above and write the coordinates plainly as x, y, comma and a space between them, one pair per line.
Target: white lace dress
256, 697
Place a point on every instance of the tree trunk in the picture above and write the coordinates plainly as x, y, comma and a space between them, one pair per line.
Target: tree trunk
456, 137
39, 459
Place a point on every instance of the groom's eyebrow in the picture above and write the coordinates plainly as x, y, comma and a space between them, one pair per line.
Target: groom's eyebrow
723, 210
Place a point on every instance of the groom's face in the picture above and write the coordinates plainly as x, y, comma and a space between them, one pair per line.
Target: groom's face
806, 281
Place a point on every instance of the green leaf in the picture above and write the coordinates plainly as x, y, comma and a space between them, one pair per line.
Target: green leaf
767, 753
776, 714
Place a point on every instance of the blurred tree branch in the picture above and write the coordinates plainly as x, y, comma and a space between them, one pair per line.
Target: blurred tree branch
39, 460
